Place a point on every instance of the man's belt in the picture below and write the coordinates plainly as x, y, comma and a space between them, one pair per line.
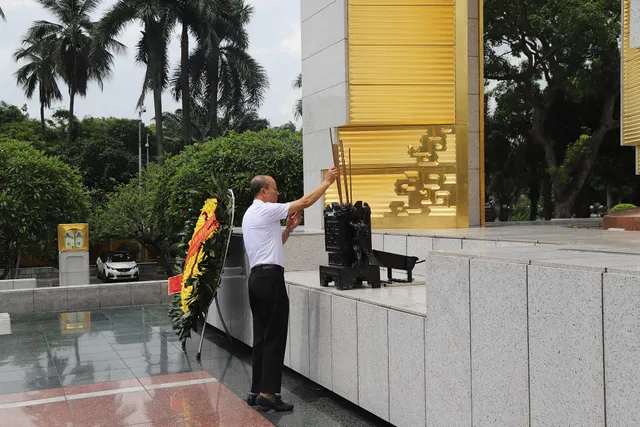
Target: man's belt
267, 267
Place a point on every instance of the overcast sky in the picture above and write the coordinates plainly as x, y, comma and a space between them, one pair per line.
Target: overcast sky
275, 43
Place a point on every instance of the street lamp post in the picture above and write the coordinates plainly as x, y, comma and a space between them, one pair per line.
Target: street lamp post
140, 111
147, 150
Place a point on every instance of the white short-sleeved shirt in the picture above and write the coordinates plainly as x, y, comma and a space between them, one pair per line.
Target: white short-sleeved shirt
262, 233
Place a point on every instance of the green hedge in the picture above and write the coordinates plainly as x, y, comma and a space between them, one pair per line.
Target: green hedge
622, 207
235, 159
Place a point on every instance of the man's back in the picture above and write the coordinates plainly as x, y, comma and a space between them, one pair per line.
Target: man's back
262, 233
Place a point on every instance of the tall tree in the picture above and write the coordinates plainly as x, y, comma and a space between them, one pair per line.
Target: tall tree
297, 107
40, 72
554, 54
152, 50
75, 43
224, 77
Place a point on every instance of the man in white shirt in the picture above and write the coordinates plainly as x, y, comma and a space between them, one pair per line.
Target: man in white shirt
264, 243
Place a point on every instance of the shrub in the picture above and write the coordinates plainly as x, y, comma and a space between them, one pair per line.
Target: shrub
622, 207
37, 192
234, 160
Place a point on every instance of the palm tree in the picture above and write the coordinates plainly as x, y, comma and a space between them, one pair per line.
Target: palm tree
197, 17
80, 57
222, 74
39, 71
158, 23
297, 107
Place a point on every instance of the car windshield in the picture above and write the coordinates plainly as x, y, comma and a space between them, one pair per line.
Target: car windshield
119, 258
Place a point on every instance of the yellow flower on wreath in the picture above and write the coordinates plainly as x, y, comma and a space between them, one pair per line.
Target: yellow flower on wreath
191, 265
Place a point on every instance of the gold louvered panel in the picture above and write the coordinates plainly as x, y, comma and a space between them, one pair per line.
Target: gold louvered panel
630, 85
402, 65
398, 147
402, 104
394, 24
401, 2
407, 174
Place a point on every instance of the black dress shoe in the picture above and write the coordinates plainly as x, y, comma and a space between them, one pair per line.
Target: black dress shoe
251, 399
274, 403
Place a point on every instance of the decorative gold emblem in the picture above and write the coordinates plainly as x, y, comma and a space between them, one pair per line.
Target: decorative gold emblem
73, 237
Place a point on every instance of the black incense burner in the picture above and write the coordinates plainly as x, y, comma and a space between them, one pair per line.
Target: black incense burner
347, 239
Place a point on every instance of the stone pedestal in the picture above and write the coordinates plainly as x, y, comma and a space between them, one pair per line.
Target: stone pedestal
74, 268
628, 220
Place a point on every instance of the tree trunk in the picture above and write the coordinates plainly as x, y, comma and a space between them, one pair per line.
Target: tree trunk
547, 200
72, 99
534, 196
186, 95
17, 268
164, 261
42, 128
214, 76
156, 70
157, 103
563, 207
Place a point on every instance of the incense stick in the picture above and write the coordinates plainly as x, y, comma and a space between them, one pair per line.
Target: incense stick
350, 177
334, 152
344, 169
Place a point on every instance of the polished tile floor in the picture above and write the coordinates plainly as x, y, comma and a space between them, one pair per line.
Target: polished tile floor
118, 367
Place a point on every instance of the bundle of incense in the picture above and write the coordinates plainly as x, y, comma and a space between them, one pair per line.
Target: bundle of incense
340, 162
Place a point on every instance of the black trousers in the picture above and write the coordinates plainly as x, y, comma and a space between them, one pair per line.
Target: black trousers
270, 309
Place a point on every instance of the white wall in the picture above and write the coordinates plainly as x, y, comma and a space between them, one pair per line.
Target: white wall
324, 89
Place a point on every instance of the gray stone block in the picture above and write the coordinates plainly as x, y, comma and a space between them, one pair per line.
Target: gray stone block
6, 285
304, 251
446, 244
164, 290
83, 298
373, 360
478, 244
24, 284
320, 338
499, 353
447, 341
419, 246
50, 300
622, 354
565, 347
377, 241
115, 295
16, 301
344, 348
395, 244
406, 370
146, 293
299, 327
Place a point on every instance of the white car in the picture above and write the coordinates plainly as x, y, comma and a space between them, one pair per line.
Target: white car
117, 266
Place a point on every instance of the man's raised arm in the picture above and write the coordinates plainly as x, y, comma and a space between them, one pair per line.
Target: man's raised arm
313, 196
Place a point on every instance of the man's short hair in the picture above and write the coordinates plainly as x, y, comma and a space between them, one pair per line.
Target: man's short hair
258, 183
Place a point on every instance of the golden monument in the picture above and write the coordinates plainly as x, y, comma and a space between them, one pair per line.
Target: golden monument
408, 80
630, 87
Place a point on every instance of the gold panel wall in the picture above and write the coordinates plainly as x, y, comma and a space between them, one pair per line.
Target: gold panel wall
630, 84
407, 186
408, 111
401, 62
